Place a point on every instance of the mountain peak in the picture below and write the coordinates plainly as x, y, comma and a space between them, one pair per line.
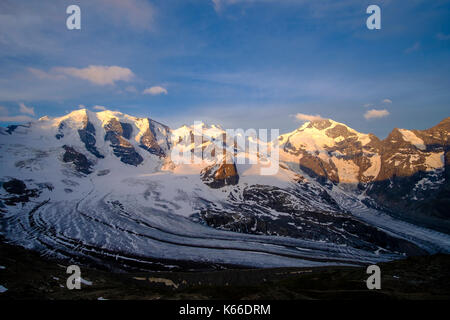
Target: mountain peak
79, 115
444, 124
320, 123
325, 125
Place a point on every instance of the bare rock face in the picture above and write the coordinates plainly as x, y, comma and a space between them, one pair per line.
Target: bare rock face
79, 160
320, 124
155, 139
117, 133
18, 192
339, 131
122, 129
323, 171
436, 136
399, 157
15, 186
60, 133
220, 175
87, 135
406, 182
149, 143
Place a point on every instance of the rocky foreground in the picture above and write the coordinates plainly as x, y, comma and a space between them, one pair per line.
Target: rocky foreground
27, 275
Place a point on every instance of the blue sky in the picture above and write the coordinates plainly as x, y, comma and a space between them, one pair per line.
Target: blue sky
239, 63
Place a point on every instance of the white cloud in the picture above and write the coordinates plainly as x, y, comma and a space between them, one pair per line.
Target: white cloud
25, 109
4, 117
21, 118
155, 90
374, 114
308, 117
81, 106
100, 75
102, 108
387, 101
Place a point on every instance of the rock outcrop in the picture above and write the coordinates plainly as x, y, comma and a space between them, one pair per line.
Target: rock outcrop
79, 160
87, 135
156, 139
220, 175
117, 133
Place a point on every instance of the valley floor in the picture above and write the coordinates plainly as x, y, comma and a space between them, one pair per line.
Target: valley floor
24, 274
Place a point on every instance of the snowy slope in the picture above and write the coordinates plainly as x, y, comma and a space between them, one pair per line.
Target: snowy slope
105, 187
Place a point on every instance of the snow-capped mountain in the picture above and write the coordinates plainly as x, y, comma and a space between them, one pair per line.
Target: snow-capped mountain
406, 172
106, 188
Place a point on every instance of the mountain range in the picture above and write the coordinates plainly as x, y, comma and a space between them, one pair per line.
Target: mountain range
103, 188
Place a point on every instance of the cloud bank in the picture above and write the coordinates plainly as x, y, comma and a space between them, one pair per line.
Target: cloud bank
21, 118
375, 114
25, 109
154, 91
308, 117
99, 75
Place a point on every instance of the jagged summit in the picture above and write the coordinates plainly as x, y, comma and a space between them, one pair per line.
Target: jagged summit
444, 124
319, 134
325, 127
